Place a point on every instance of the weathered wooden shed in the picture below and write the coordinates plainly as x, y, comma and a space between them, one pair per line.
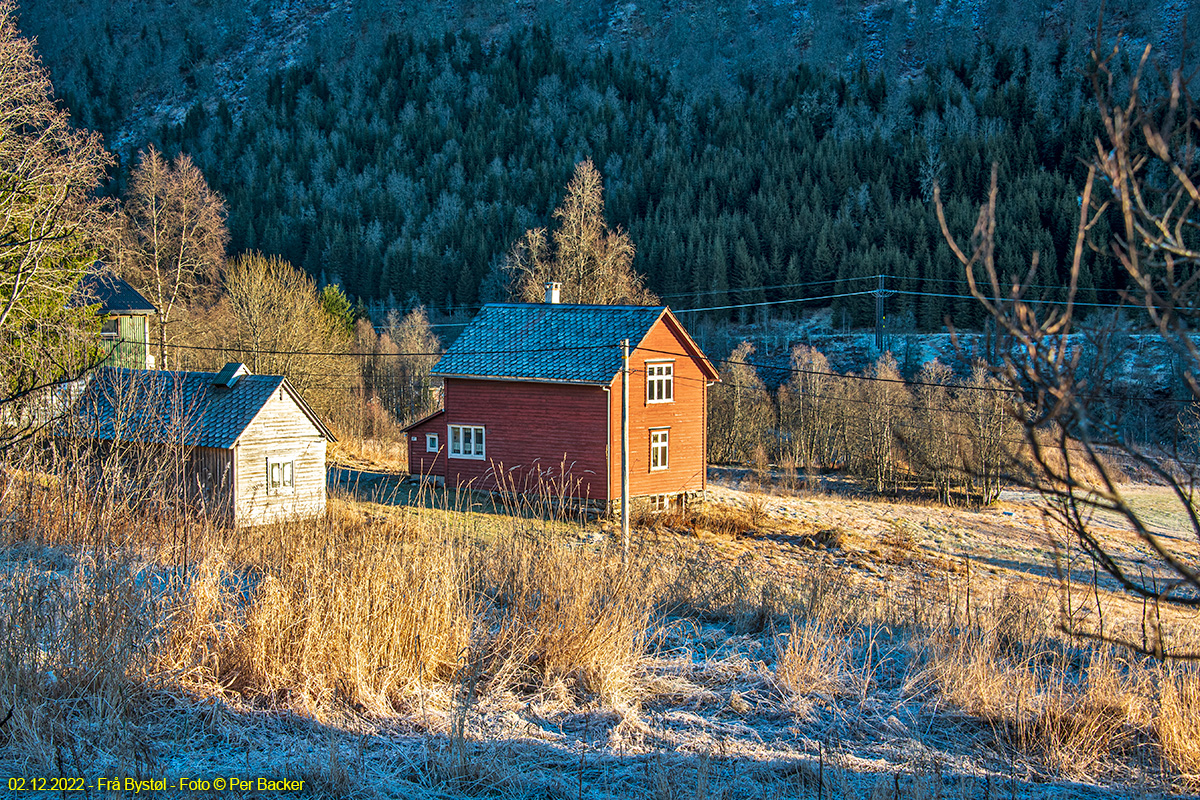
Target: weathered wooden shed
533, 403
252, 450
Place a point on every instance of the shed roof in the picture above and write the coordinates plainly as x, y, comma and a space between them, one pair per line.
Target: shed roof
555, 342
176, 407
114, 294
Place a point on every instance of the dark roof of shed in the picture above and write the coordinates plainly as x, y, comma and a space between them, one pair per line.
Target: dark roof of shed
558, 342
114, 294
171, 406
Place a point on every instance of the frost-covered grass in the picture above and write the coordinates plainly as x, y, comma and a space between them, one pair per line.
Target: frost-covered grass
399, 652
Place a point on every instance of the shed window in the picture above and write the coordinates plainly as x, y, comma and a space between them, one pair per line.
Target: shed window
431, 443
658, 449
281, 475
660, 382
467, 441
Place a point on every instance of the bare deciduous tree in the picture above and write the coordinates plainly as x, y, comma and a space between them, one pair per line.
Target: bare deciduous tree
883, 403
171, 244
810, 412
593, 263
277, 326
1145, 171
934, 439
49, 219
397, 364
741, 413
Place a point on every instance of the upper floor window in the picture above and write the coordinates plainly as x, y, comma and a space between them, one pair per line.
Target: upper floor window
467, 441
660, 381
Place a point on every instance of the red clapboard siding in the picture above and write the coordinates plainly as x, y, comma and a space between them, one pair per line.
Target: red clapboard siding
532, 431
685, 417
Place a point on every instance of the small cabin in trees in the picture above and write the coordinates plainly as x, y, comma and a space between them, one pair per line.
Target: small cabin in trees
532, 403
245, 449
125, 318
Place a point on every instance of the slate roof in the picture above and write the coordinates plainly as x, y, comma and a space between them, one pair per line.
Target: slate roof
114, 294
547, 342
172, 406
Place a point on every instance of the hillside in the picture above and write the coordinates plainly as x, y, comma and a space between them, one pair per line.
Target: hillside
151, 62
400, 151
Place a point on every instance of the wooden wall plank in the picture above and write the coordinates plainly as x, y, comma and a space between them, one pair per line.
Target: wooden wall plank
685, 417
547, 433
281, 430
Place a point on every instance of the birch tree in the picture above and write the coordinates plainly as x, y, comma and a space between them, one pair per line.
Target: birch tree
173, 238
277, 326
593, 264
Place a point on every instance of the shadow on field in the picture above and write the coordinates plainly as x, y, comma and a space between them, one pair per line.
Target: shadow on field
567, 756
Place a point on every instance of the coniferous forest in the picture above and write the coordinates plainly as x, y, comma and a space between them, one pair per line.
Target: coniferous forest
405, 170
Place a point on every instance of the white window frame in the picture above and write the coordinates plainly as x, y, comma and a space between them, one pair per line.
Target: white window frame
665, 502
660, 442
660, 381
431, 443
281, 475
478, 438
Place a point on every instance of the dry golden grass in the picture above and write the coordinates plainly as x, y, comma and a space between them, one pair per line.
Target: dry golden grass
345, 611
377, 455
1177, 720
709, 518
359, 612
1070, 708
812, 659
560, 613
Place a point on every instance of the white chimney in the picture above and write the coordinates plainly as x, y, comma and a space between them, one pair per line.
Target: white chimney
552, 291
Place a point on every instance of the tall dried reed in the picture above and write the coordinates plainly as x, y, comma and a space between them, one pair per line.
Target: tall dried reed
566, 613
338, 608
1068, 707
1177, 720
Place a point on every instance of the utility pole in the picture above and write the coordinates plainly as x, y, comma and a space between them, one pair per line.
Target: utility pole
625, 450
880, 294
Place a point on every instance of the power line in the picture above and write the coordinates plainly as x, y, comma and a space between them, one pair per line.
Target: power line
770, 302
966, 283
755, 364
906, 382
766, 288
507, 351
1027, 302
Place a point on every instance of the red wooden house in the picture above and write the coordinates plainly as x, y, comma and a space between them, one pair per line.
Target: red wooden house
532, 401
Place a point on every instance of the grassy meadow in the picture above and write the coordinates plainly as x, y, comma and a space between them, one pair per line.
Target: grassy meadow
446, 650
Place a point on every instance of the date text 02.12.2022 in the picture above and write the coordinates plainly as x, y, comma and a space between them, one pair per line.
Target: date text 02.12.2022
134, 786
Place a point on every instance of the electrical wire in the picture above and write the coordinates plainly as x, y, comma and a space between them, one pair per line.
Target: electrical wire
770, 302
777, 286
1027, 302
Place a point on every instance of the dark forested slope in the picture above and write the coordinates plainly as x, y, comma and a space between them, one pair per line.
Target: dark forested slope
410, 173
404, 165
